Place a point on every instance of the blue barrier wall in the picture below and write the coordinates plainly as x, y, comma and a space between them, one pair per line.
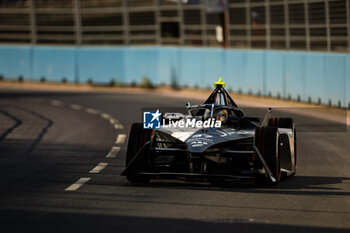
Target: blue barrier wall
307, 76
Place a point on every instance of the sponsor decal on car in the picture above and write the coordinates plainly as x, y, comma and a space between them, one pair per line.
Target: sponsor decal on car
152, 120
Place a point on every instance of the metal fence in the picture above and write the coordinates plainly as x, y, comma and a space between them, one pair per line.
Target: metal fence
317, 25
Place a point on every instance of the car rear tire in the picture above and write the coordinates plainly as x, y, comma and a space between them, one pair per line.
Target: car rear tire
137, 138
267, 141
282, 122
289, 124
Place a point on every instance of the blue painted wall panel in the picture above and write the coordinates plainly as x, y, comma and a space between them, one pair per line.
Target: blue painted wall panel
235, 76
275, 82
212, 66
101, 65
255, 72
140, 62
314, 78
15, 61
347, 82
334, 78
53, 64
168, 67
191, 67
295, 74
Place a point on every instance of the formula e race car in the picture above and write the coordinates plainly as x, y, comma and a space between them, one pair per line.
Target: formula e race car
213, 141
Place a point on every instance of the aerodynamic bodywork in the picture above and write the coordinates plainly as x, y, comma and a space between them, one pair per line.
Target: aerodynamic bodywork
230, 146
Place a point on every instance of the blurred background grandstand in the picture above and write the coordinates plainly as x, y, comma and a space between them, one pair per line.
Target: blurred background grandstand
311, 25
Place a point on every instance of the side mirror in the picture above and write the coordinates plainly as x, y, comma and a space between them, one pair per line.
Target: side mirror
188, 105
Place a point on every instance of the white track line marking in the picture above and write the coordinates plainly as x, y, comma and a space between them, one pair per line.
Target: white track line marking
56, 103
78, 184
105, 116
113, 121
99, 168
92, 111
118, 126
120, 139
76, 107
114, 152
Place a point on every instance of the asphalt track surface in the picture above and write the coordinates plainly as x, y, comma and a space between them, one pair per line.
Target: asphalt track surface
61, 155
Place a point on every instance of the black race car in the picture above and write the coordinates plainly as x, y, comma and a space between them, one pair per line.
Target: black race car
230, 146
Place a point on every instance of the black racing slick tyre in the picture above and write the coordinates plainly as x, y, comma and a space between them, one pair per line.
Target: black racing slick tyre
289, 124
267, 141
282, 122
137, 138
